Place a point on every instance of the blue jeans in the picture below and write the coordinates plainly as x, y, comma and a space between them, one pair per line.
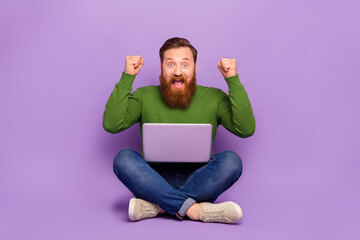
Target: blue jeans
176, 186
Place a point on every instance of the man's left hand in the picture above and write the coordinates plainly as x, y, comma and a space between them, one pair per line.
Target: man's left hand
227, 67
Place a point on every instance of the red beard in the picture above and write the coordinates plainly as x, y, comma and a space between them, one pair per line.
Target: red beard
177, 98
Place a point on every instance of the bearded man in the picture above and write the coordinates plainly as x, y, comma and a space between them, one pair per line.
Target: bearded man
179, 189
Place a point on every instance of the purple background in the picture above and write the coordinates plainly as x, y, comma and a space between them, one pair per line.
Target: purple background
298, 60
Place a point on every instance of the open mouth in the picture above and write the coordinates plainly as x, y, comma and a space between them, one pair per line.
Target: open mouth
177, 83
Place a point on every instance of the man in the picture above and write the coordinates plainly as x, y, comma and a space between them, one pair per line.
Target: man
179, 189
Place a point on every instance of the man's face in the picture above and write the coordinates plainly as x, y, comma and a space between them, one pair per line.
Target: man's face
178, 82
178, 62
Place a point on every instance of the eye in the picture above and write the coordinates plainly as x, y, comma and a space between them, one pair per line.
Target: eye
171, 64
185, 65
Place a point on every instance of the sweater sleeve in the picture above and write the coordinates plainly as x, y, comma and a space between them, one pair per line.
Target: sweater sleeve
123, 109
234, 111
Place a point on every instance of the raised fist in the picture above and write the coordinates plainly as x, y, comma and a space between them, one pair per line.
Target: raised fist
133, 64
227, 67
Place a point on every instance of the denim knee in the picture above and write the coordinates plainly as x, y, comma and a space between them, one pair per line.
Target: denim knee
233, 164
122, 160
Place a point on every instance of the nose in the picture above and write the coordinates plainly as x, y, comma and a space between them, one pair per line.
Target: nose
177, 71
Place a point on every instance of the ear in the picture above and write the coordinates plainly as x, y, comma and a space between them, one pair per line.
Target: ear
195, 67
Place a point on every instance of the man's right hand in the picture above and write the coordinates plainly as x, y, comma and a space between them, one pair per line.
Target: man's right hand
133, 64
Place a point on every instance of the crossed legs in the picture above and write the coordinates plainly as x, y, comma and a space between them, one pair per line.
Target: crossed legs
203, 185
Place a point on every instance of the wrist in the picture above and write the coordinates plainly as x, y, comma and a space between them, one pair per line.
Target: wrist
129, 73
231, 76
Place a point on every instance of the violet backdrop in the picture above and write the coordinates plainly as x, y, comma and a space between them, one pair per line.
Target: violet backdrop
298, 60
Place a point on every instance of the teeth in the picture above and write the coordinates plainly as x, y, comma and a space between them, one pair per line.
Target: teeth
178, 80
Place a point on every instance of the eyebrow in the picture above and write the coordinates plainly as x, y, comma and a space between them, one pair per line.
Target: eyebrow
181, 59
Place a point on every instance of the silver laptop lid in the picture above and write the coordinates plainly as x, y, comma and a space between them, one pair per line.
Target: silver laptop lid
165, 142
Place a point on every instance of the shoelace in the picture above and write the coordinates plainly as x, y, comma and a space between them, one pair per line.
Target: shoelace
215, 213
147, 209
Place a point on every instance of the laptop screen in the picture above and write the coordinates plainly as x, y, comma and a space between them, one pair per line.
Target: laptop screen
170, 142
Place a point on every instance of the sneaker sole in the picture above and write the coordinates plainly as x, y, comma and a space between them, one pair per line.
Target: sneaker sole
131, 209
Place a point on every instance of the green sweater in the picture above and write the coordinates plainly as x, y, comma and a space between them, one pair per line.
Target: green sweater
208, 105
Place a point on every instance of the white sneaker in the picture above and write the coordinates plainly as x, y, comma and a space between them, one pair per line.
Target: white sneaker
141, 209
226, 212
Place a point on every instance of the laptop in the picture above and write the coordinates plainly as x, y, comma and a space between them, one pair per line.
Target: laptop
169, 142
